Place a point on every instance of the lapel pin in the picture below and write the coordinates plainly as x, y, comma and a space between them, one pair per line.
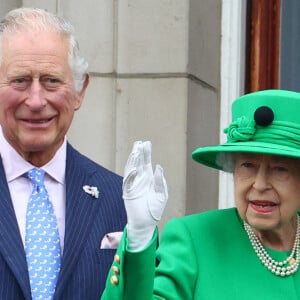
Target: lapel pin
92, 190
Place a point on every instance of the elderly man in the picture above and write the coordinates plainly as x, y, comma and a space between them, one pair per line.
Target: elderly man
60, 213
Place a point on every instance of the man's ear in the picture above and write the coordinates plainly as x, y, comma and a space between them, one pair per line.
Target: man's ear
81, 93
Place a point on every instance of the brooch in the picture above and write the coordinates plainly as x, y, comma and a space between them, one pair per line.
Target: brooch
92, 190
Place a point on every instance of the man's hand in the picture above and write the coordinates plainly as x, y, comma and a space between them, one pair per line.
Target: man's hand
145, 195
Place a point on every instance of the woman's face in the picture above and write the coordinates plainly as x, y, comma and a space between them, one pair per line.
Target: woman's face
267, 190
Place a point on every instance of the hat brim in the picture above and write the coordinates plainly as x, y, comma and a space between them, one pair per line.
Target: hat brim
208, 155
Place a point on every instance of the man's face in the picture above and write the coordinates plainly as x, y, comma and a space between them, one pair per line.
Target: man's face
37, 95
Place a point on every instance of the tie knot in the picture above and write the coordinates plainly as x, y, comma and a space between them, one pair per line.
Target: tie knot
36, 175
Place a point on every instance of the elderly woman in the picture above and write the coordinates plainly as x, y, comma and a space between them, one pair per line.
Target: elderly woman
248, 252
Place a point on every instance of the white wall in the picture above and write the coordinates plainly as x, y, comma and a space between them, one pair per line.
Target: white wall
155, 75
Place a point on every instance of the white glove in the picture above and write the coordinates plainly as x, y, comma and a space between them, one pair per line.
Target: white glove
145, 195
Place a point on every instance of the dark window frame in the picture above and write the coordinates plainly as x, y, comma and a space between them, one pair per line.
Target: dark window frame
262, 45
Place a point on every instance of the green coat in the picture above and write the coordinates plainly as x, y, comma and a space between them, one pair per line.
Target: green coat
206, 256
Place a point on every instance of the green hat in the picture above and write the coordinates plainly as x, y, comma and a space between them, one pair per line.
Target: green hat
265, 122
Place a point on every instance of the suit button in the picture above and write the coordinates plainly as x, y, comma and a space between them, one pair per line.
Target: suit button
115, 270
117, 259
114, 280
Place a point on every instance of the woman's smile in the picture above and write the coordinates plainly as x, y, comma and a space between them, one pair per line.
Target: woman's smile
263, 206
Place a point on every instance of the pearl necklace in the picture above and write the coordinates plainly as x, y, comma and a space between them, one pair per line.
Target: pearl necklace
280, 268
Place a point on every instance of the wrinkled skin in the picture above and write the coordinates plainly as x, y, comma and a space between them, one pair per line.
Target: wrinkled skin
267, 194
37, 95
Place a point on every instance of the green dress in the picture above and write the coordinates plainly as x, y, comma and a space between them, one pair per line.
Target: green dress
206, 256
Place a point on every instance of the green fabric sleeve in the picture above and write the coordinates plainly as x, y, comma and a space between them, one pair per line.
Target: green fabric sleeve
136, 272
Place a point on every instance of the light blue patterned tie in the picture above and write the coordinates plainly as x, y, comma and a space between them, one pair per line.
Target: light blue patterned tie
42, 240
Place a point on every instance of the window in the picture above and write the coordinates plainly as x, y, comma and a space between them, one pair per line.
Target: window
262, 45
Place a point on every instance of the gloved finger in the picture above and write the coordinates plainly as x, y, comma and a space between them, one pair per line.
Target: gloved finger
157, 204
131, 164
160, 183
147, 148
132, 160
128, 183
140, 157
144, 165
147, 160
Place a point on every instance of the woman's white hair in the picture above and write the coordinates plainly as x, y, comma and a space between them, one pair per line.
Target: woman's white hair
225, 160
21, 19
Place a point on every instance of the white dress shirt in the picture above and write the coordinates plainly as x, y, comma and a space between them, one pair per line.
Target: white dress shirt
20, 186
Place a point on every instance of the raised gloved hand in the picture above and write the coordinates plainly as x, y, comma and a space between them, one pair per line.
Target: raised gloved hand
145, 195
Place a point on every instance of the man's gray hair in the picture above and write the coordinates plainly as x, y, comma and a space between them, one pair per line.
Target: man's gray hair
21, 19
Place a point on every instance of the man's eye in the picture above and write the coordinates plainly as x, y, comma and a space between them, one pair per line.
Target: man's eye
53, 80
50, 82
20, 83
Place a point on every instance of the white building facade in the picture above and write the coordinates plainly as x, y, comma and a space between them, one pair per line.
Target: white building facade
161, 70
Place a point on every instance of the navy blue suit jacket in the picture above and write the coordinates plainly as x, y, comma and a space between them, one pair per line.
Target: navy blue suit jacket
84, 265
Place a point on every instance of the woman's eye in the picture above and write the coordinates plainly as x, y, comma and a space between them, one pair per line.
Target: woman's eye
280, 172
247, 165
280, 169
245, 169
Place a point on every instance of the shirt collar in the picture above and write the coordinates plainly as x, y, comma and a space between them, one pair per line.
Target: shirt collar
15, 165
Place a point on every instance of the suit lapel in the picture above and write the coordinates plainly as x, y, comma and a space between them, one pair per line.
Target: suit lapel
11, 246
80, 208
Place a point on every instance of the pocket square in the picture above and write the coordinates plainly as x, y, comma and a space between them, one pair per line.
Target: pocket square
111, 240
